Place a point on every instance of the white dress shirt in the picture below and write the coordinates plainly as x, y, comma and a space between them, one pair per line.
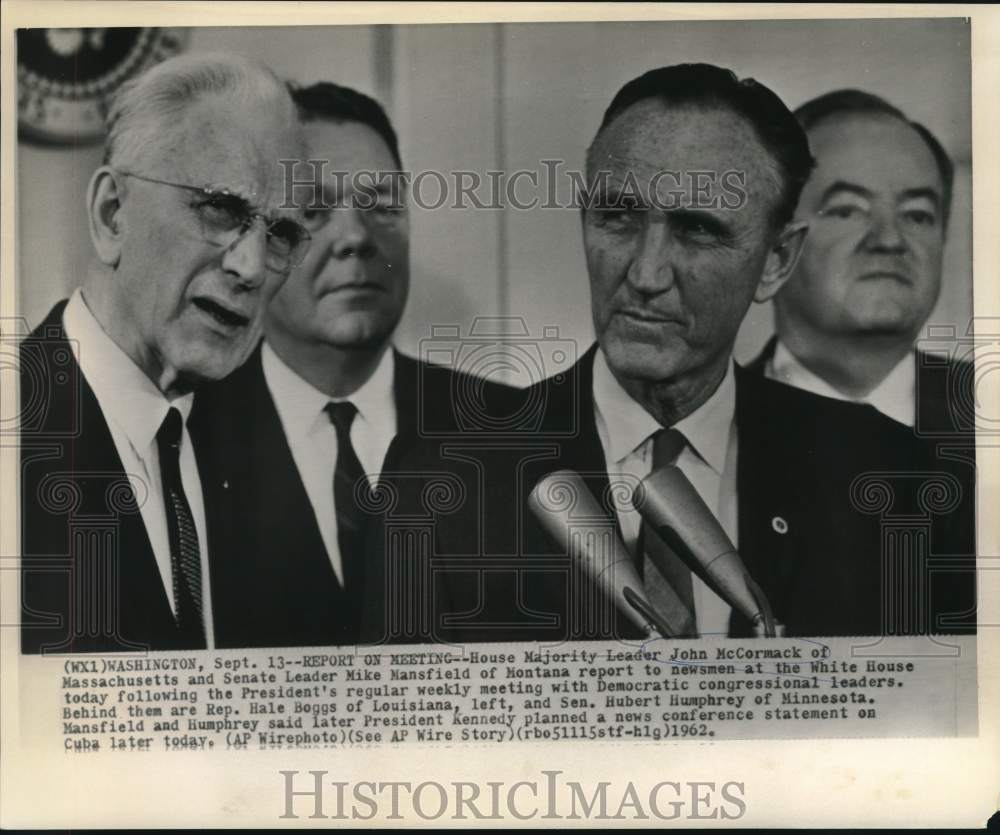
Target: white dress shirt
894, 397
312, 437
134, 409
708, 460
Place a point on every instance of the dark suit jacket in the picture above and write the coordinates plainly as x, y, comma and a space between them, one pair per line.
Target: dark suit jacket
848, 521
89, 578
272, 581
944, 394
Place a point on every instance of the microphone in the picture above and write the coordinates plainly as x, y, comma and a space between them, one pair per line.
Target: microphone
570, 514
669, 503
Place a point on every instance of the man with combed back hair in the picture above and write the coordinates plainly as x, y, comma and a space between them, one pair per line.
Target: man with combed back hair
878, 206
329, 407
693, 178
190, 242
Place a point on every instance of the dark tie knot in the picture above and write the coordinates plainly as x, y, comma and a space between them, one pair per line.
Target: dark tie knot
668, 444
169, 433
342, 415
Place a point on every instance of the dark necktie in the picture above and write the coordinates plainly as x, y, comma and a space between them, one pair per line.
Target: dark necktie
348, 481
666, 578
185, 555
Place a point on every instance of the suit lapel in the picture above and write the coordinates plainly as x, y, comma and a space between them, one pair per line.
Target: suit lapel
412, 380
584, 451
806, 534
272, 581
87, 452
943, 387
405, 383
772, 522
570, 406
142, 598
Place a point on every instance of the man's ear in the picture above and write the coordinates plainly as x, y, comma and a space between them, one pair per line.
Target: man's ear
104, 194
781, 260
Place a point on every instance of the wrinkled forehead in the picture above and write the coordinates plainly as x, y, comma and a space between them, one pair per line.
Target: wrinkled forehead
232, 144
651, 136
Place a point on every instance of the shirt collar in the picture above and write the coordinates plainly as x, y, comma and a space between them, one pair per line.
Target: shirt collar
629, 425
375, 400
707, 427
300, 404
894, 397
126, 395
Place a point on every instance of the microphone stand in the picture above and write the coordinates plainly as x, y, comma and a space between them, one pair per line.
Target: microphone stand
764, 625
650, 614
671, 506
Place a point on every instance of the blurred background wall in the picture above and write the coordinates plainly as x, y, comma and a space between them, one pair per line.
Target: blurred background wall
504, 97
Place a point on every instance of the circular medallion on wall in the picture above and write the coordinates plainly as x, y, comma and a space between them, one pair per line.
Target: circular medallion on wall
65, 77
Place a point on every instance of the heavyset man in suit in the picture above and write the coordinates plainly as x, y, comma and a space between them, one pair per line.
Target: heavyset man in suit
323, 412
190, 246
877, 205
799, 482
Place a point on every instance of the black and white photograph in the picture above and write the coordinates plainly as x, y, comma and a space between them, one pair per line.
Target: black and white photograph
564, 392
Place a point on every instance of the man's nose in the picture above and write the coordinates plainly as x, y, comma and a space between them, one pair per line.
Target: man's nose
349, 233
246, 257
884, 233
651, 271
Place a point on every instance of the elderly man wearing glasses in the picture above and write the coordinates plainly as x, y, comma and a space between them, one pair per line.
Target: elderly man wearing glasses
190, 247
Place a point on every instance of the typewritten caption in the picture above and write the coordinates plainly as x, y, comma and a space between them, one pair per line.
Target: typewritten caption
697, 690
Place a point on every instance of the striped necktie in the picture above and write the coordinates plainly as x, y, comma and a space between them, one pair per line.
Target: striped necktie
185, 554
666, 578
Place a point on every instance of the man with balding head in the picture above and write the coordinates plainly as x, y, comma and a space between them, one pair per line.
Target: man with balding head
694, 176
877, 206
190, 243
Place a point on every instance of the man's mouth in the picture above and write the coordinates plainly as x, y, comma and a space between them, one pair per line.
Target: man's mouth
647, 316
223, 315
357, 287
881, 274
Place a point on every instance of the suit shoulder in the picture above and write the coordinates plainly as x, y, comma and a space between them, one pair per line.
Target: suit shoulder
783, 406
959, 374
443, 378
55, 398
931, 362
51, 326
961, 365
759, 363
49, 334
232, 392
945, 392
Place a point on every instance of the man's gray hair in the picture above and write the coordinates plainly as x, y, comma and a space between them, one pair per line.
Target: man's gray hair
147, 110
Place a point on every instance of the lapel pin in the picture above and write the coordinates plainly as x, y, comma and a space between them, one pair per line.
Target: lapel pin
225, 484
779, 525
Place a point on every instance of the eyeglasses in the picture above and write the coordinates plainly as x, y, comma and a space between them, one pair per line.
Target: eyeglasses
226, 217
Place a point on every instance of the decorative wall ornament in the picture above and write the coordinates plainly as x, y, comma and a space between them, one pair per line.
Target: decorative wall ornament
65, 77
